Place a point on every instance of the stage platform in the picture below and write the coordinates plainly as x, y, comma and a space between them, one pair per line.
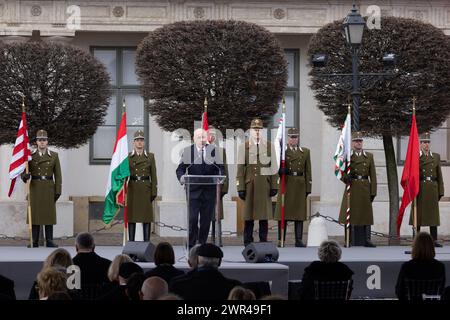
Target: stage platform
376, 269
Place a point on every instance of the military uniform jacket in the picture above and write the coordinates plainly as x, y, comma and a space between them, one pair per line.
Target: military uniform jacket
297, 184
140, 192
256, 177
361, 190
42, 192
431, 188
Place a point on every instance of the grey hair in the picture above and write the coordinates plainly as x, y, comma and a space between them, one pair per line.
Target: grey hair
208, 262
329, 252
85, 240
193, 256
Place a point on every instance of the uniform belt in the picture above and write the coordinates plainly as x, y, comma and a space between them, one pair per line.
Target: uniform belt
356, 177
42, 177
294, 173
428, 178
139, 178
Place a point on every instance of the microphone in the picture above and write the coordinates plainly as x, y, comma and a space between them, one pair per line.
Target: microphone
187, 168
214, 164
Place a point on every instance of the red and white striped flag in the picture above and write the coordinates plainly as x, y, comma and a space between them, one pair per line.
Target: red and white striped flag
21, 154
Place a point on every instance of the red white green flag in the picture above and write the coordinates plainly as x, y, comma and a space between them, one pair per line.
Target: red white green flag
119, 171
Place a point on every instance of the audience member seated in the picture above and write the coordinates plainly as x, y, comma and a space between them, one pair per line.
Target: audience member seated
206, 282
239, 293
134, 285
164, 260
327, 269
6, 289
49, 281
192, 262
59, 259
126, 270
154, 288
422, 266
94, 269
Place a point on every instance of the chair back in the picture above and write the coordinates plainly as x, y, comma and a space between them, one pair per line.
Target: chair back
430, 289
333, 290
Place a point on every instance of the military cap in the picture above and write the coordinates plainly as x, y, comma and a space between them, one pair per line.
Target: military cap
126, 269
293, 132
139, 135
425, 137
41, 134
357, 135
209, 250
256, 124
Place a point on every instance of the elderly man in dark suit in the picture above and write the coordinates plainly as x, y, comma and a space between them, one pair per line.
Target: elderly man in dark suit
200, 159
206, 282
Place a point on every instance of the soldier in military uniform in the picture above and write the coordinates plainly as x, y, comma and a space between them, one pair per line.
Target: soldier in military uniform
431, 188
45, 189
142, 187
363, 180
256, 183
297, 187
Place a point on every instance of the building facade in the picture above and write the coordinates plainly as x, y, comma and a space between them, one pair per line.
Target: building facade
111, 31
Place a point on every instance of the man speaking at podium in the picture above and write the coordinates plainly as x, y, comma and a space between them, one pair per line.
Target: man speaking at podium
200, 159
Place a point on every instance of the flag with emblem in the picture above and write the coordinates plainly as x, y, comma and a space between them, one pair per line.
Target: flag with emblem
119, 172
343, 149
21, 153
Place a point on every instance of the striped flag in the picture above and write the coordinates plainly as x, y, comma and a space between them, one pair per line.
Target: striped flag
119, 171
343, 149
21, 154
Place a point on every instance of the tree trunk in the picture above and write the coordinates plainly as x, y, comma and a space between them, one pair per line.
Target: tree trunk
392, 178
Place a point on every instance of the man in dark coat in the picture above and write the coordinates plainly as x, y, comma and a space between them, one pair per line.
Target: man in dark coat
7, 289
142, 187
206, 282
363, 190
93, 268
298, 184
45, 189
431, 188
200, 159
256, 181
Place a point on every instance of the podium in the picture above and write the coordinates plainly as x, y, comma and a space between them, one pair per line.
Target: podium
189, 180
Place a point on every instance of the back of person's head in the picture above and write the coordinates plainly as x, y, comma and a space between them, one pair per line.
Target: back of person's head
59, 295
209, 256
164, 254
239, 293
49, 281
193, 256
58, 258
85, 242
170, 296
329, 252
127, 269
154, 288
134, 285
113, 270
423, 247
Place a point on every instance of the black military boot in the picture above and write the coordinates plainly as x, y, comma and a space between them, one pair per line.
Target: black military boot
147, 228
248, 231
433, 233
263, 230
131, 231
368, 243
279, 232
35, 230
299, 234
49, 237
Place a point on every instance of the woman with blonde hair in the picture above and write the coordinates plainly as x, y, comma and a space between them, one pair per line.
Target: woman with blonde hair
49, 281
59, 259
113, 271
239, 293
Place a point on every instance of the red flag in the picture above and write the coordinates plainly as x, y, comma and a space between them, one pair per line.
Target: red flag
410, 175
205, 125
21, 153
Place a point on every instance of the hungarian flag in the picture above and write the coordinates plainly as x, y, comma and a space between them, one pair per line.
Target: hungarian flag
280, 145
342, 154
410, 175
21, 154
118, 174
205, 125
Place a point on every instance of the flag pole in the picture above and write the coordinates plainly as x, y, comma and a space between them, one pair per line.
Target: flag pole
30, 226
414, 200
283, 165
125, 187
347, 187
